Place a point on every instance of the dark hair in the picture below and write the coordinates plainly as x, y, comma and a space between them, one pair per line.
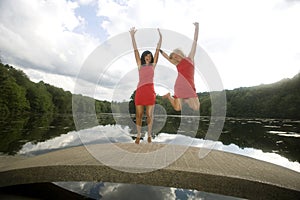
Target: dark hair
143, 62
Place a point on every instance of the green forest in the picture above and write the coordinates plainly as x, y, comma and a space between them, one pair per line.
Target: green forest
20, 95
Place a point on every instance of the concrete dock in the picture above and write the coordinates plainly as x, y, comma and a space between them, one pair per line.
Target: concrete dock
218, 172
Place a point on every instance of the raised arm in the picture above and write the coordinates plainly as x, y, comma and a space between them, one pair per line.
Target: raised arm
157, 48
194, 45
166, 56
136, 52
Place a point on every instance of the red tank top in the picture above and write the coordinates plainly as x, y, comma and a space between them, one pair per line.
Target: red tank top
186, 68
145, 94
146, 75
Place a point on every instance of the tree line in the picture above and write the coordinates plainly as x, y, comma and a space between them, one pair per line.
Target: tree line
20, 95
277, 100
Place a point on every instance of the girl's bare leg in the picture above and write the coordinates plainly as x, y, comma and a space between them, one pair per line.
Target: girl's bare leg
193, 103
175, 102
149, 114
139, 110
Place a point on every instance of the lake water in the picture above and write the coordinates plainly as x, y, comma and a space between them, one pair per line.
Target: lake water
272, 140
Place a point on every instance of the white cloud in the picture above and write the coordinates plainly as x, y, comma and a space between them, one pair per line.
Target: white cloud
250, 42
129, 191
117, 133
61, 81
40, 35
86, 2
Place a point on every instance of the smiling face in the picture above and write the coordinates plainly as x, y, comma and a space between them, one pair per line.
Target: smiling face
176, 57
148, 58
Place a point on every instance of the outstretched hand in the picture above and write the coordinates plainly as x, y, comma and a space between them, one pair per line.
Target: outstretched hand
132, 31
196, 24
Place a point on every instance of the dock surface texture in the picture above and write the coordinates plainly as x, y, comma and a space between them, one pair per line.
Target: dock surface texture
158, 165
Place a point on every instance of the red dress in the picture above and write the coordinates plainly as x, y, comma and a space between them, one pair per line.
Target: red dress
145, 94
184, 85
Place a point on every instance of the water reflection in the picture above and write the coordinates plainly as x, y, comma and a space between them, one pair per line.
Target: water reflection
264, 134
119, 133
42, 133
107, 191
246, 133
18, 130
274, 141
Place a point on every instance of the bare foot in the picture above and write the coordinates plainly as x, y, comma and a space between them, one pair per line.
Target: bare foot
149, 139
137, 140
166, 96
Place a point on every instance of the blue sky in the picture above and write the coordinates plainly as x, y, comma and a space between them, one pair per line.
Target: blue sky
250, 42
93, 22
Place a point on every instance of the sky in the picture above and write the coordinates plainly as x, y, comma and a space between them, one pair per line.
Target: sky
250, 42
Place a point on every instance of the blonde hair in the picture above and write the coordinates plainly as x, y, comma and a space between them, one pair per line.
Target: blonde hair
177, 51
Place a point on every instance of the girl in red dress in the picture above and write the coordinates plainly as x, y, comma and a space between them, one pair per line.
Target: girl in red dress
145, 94
184, 88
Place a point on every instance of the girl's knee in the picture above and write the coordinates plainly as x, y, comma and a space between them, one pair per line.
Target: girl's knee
177, 107
196, 105
149, 115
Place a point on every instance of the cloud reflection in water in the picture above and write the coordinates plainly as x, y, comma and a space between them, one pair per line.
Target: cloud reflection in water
118, 133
